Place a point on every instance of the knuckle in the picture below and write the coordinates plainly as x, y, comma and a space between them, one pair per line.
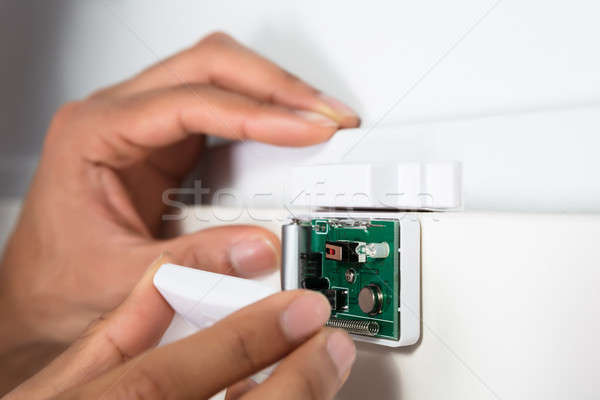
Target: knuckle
241, 346
66, 113
64, 117
216, 39
94, 326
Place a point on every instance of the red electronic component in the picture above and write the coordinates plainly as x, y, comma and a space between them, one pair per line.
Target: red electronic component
333, 252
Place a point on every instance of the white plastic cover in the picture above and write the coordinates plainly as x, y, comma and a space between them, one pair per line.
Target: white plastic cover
407, 186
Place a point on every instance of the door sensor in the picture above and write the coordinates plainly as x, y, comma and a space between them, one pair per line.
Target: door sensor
361, 247
367, 264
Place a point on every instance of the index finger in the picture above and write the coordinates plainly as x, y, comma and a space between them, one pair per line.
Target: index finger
121, 132
236, 347
221, 60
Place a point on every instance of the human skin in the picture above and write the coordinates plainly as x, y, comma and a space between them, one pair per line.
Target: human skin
113, 359
91, 221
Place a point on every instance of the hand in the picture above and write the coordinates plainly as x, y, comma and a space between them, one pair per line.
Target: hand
111, 360
93, 212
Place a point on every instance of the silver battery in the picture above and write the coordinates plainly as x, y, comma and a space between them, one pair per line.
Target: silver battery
295, 240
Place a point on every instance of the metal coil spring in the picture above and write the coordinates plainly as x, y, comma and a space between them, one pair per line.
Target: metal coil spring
358, 327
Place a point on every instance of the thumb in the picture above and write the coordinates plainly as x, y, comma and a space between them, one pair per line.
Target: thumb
242, 250
133, 327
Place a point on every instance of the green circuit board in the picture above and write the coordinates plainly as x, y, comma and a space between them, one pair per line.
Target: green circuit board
337, 246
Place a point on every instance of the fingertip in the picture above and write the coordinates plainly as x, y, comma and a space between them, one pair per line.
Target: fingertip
164, 258
345, 116
145, 297
305, 315
350, 122
145, 291
251, 257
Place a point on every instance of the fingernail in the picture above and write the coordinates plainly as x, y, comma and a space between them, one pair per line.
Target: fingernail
305, 315
148, 276
253, 257
337, 111
164, 258
316, 118
342, 351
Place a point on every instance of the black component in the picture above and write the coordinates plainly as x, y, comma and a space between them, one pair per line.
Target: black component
338, 298
343, 251
331, 295
311, 264
315, 283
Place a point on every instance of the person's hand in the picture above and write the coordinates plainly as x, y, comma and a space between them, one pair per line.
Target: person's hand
93, 212
112, 361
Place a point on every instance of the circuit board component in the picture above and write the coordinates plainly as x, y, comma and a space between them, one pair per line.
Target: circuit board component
345, 251
355, 264
370, 299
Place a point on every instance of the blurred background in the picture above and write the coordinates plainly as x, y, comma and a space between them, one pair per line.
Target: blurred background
511, 88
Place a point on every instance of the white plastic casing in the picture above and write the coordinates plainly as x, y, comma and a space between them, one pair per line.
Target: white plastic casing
406, 186
409, 310
201, 297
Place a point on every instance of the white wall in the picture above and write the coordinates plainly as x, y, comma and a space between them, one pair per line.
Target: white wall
509, 304
431, 60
